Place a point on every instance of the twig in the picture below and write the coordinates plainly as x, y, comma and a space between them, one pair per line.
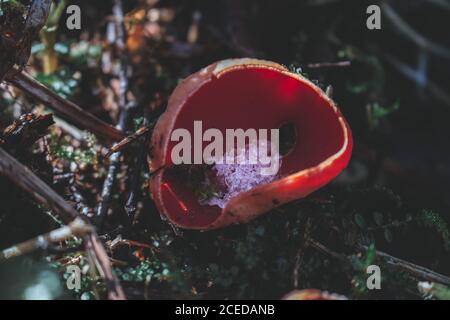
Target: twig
94, 245
135, 178
414, 269
71, 130
48, 37
418, 39
444, 4
131, 204
30, 183
106, 195
301, 251
70, 180
67, 109
411, 268
316, 244
329, 91
130, 243
124, 106
77, 228
340, 64
42, 193
412, 74
125, 142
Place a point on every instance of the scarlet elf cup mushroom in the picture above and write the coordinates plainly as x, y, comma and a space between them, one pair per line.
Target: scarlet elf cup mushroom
312, 294
245, 94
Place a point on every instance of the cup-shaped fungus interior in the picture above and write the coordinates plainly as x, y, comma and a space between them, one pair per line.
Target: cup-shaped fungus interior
252, 98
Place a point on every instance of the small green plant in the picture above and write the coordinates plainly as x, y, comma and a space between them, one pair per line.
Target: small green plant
64, 82
376, 112
48, 37
85, 154
298, 70
359, 264
88, 282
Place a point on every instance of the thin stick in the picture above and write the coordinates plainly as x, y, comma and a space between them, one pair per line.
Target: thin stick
131, 205
316, 244
66, 109
77, 228
414, 269
301, 252
125, 142
42, 193
121, 51
444, 4
404, 28
135, 178
340, 64
329, 91
410, 73
33, 185
411, 268
94, 245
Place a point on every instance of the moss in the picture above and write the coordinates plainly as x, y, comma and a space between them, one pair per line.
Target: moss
257, 260
84, 154
434, 221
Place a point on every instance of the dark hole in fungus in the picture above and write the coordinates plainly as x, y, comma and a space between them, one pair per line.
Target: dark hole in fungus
288, 137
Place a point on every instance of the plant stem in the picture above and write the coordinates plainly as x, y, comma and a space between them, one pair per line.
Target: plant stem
48, 37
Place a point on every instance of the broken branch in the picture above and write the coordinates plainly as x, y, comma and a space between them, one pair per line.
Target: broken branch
77, 228
67, 109
42, 193
413, 269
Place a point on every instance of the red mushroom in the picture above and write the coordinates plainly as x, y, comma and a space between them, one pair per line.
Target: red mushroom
248, 93
312, 294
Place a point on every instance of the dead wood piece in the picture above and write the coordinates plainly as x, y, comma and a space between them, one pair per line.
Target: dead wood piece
66, 109
17, 34
77, 228
42, 193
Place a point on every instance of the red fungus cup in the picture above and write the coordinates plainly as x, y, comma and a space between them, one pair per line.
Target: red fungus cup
248, 94
312, 294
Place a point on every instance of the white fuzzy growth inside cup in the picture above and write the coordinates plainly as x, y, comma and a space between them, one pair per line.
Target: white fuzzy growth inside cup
240, 172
